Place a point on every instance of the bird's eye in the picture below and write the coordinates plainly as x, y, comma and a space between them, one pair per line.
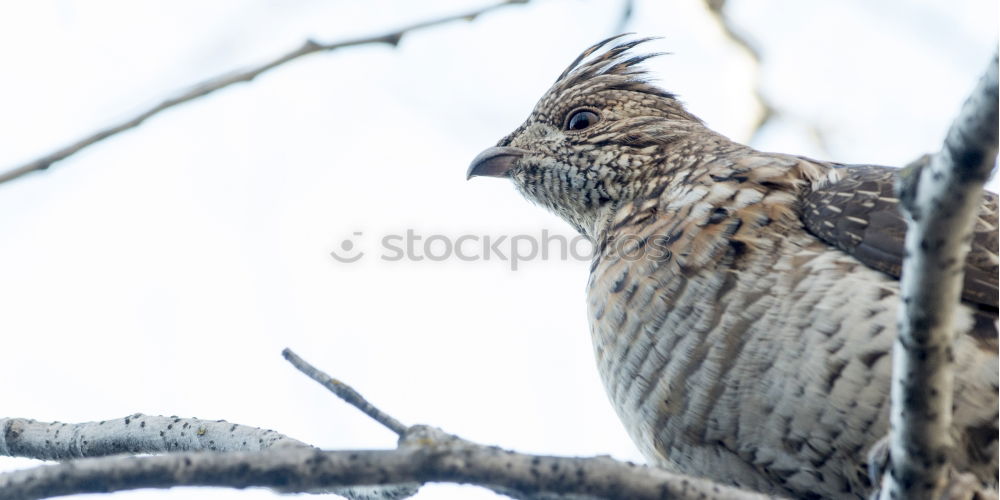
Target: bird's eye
581, 119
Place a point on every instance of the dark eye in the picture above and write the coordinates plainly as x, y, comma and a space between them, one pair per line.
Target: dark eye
581, 119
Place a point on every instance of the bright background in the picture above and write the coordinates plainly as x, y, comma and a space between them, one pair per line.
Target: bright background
163, 270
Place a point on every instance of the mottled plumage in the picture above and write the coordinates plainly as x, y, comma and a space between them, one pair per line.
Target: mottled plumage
742, 304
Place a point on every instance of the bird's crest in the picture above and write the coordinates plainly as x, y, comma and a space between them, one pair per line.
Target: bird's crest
616, 61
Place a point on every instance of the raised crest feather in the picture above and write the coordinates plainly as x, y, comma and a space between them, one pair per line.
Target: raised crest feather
615, 61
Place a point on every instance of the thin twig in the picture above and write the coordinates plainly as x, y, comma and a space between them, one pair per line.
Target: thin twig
225, 80
345, 392
940, 199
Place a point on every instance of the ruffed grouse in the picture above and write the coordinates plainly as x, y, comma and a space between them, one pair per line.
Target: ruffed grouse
742, 304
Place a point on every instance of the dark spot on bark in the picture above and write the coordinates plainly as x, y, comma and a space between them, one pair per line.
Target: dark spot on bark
967, 161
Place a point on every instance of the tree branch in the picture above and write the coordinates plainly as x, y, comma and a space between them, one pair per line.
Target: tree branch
939, 198
767, 110
225, 80
136, 433
425, 454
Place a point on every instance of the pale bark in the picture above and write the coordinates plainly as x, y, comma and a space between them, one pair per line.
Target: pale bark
425, 454
136, 433
940, 199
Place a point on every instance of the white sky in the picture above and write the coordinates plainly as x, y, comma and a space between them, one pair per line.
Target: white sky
163, 270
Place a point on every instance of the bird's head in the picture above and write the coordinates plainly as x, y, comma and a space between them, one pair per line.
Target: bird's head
593, 140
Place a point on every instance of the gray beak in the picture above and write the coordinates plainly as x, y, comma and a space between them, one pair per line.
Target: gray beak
495, 162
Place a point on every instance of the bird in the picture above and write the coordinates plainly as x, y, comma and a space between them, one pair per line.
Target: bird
742, 304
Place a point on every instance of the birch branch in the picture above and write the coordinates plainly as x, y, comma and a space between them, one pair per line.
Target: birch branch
939, 200
136, 433
424, 454
222, 81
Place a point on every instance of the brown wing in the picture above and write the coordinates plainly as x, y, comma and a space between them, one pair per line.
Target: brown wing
860, 215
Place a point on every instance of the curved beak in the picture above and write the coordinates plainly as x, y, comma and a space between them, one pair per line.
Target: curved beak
495, 162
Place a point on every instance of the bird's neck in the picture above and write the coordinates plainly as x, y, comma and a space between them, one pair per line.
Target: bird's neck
686, 151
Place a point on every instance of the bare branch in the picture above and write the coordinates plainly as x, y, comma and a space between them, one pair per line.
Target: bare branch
424, 455
136, 433
223, 81
940, 198
767, 110
345, 392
